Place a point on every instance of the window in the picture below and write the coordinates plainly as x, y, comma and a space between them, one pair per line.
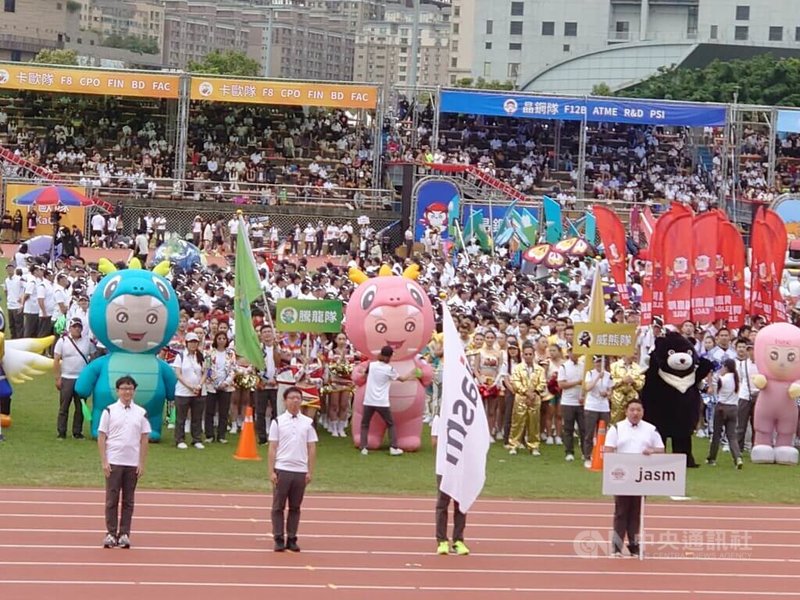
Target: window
622, 30
691, 22
565, 47
10, 6
741, 32
487, 69
58, 6
515, 46
455, 28
797, 34
548, 28
488, 45
570, 29
454, 62
513, 70
489, 27
776, 34
454, 45
517, 9
456, 11
16, 56
742, 13
714, 32
516, 28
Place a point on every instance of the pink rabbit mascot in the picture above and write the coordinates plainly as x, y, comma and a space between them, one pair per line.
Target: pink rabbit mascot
777, 355
394, 311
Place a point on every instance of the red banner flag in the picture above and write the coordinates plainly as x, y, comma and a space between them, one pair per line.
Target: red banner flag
677, 267
612, 234
704, 267
761, 268
658, 283
777, 259
730, 302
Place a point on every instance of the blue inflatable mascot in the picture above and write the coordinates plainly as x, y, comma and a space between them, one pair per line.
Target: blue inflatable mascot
133, 313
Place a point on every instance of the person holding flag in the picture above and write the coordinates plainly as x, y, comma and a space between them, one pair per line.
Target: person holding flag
462, 433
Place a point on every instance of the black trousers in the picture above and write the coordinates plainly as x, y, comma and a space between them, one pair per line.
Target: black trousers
184, 404
122, 479
459, 518
290, 488
217, 403
743, 417
16, 323
67, 396
265, 399
590, 420
571, 415
30, 325
627, 514
682, 445
508, 411
725, 416
386, 415
44, 327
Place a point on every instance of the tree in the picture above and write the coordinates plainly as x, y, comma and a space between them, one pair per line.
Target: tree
131, 42
56, 57
762, 79
482, 84
601, 89
229, 62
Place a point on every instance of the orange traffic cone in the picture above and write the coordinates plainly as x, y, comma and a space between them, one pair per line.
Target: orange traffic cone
597, 453
247, 439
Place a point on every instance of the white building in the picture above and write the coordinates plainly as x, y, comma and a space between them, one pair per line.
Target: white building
383, 48
568, 46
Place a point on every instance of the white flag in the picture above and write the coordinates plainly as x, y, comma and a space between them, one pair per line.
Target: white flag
463, 436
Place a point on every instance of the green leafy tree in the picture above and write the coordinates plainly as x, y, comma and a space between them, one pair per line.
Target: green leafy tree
56, 57
228, 62
132, 43
481, 84
762, 79
601, 89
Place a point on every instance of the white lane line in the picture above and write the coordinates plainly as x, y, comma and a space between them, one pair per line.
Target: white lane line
418, 554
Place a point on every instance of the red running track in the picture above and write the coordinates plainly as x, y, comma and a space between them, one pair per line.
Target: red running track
211, 545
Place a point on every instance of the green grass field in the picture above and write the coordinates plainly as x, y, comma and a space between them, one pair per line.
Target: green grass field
32, 456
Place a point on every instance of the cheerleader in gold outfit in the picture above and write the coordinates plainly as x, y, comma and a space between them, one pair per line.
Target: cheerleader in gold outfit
528, 382
627, 380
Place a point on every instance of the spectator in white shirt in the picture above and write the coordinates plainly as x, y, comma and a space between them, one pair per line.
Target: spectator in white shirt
596, 406
570, 380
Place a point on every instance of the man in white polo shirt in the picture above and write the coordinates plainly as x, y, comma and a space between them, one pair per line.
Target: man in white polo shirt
122, 440
570, 380
632, 435
292, 456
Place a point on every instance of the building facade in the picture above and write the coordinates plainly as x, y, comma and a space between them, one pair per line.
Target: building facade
27, 26
571, 45
384, 48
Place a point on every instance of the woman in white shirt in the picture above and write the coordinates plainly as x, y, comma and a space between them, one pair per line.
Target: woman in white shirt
188, 366
596, 407
725, 413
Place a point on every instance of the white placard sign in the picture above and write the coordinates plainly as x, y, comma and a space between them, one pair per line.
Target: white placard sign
641, 475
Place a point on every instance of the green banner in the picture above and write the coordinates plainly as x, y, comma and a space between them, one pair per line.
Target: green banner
309, 316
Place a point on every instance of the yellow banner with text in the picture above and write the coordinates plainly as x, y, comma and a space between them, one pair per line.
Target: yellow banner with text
70, 215
254, 91
41, 78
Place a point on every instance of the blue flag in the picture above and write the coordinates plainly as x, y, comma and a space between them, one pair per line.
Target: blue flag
590, 228
552, 218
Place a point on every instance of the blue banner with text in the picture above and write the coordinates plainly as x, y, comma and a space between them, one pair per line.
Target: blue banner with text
606, 110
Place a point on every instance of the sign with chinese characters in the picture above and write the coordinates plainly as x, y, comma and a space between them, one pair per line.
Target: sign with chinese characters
310, 316
262, 91
604, 339
41, 78
644, 475
70, 215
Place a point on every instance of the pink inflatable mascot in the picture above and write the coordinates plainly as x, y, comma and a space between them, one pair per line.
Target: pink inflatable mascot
394, 311
777, 355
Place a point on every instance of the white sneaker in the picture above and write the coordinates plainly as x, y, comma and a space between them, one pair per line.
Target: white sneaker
542, 437
700, 433
499, 435
171, 426
182, 446
558, 441
569, 457
395, 451
364, 452
536, 452
587, 464
233, 428
513, 452
549, 440
199, 446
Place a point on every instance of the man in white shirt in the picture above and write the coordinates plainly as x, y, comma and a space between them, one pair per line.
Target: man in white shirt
632, 435
380, 375
748, 392
570, 380
268, 396
70, 356
14, 289
291, 461
30, 301
122, 442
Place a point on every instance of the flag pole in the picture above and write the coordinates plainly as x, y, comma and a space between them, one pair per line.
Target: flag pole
491, 223
461, 238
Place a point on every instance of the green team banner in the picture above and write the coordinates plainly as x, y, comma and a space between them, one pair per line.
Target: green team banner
309, 316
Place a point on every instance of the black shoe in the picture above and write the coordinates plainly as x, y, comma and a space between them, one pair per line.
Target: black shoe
291, 545
634, 550
78, 436
280, 545
61, 436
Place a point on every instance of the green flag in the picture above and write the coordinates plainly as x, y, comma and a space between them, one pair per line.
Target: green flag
474, 228
247, 289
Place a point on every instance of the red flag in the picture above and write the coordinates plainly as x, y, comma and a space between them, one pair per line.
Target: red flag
612, 234
677, 267
760, 268
777, 259
704, 266
635, 223
730, 303
657, 259
648, 224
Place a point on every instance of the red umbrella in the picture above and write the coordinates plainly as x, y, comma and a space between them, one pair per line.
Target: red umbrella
53, 196
545, 254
